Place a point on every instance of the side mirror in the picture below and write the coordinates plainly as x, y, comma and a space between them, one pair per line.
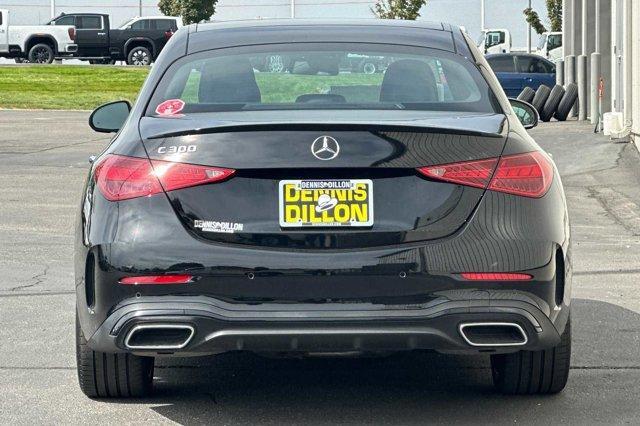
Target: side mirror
109, 118
525, 112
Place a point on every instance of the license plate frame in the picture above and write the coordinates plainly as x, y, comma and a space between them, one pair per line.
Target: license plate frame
344, 203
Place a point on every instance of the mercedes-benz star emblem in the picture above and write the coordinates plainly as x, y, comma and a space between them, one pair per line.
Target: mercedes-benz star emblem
325, 148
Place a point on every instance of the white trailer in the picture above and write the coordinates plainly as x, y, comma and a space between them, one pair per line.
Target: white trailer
36, 43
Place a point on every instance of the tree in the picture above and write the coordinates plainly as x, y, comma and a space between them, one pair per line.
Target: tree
169, 7
398, 9
534, 20
554, 10
192, 11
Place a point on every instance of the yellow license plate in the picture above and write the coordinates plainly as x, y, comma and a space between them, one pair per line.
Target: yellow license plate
307, 203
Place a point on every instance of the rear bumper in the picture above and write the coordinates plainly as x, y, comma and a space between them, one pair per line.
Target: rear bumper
331, 328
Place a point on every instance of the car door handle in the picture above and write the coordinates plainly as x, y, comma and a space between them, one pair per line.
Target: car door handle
102, 33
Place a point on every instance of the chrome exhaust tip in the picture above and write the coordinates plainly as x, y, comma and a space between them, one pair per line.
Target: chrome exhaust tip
493, 334
159, 336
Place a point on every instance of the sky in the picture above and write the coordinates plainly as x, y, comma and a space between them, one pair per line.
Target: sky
499, 13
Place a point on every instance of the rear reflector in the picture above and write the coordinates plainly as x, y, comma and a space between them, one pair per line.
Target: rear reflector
157, 280
72, 33
495, 276
122, 178
529, 174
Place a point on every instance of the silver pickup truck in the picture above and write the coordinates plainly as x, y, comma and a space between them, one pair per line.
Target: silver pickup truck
36, 43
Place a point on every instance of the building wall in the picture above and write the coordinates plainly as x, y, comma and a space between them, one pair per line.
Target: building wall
620, 49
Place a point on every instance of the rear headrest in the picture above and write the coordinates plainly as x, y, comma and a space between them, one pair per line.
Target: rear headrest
230, 80
409, 80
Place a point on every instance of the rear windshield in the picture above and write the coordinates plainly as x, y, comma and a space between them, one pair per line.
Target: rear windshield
323, 76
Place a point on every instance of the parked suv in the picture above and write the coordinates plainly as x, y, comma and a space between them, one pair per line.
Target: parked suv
138, 41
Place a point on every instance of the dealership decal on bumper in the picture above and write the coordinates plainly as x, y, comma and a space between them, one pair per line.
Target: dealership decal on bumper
215, 226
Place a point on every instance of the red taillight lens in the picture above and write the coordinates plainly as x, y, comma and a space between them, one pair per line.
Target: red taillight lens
181, 175
122, 178
470, 173
157, 280
72, 33
495, 276
529, 174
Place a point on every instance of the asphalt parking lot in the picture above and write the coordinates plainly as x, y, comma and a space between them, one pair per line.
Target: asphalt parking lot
43, 162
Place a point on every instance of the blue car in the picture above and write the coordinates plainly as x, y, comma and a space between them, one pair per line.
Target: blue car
515, 71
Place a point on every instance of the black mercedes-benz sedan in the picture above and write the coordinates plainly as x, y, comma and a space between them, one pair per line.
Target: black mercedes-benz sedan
321, 209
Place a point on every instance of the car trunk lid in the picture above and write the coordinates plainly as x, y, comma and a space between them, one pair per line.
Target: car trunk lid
271, 156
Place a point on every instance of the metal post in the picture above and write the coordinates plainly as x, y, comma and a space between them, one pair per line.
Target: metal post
53, 9
570, 60
583, 103
140, 8
293, 9
565, 23
597, 47
596, 72
482, 16
560, 72
573, 27
529, 34
628, 59
581, 67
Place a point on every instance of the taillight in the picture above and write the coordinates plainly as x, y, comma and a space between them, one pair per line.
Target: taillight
495, 276
470, 173
157, 280
122, 178
529, 174
168, 34
72, 33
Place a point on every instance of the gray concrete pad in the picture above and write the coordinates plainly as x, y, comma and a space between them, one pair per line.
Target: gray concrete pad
43, 163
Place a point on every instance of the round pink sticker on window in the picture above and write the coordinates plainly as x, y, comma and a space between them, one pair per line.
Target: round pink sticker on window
170, 107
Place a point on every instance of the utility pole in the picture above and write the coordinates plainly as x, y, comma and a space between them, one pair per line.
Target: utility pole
53, 9
529, 34
482, 22
140, 8
293, 9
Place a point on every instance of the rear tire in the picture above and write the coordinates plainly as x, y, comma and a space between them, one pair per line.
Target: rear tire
105, 375
552, 103
566, 103
527, 95
41, 54
542, 94
534, 372
139, 56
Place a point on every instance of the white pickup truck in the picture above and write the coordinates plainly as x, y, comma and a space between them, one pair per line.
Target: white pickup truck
37, 43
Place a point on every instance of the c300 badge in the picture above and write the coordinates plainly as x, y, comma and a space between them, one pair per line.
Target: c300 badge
177, 149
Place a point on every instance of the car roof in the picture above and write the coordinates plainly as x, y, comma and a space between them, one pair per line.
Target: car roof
154, 17
419, 33
517, 54
287, 22
493, 55
80, 14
